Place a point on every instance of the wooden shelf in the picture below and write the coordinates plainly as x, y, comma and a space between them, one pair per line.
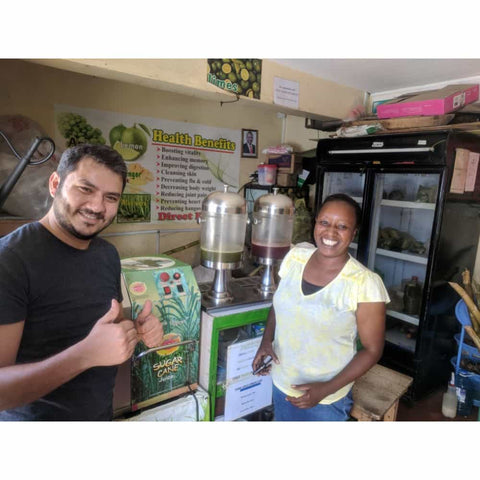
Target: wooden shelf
414, 124
473, 126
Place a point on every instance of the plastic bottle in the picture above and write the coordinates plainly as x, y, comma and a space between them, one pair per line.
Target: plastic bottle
449, 403
412, 297
464, 394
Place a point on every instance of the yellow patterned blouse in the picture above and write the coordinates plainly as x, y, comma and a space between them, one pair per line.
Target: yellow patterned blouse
316, 335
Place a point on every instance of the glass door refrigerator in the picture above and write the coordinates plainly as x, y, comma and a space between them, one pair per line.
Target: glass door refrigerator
420, 227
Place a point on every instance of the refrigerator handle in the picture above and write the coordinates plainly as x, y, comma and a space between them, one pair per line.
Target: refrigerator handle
381, 150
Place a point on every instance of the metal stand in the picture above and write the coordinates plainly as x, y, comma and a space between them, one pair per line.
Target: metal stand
268, 285
219, 292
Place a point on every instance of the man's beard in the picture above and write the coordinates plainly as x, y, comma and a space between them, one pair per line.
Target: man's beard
62, 219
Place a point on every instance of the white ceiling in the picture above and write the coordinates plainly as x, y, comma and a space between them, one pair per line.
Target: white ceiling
381, 75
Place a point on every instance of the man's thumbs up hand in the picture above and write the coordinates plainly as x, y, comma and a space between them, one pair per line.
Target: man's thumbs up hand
149, 328
145, 313
112, 314
109, 343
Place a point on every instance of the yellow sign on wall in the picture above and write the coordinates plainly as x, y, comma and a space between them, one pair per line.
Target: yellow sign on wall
242, 76
172, 166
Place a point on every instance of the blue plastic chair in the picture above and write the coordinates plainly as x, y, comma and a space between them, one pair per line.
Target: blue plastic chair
461, 312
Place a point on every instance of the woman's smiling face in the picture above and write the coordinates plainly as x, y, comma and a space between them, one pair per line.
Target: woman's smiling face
335, 228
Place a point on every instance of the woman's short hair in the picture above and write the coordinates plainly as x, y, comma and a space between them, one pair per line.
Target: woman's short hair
342, 197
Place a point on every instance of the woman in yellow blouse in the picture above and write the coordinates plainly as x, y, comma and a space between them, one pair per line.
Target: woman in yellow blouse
325, 300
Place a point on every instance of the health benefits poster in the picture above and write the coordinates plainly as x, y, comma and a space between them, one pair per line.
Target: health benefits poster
172, 166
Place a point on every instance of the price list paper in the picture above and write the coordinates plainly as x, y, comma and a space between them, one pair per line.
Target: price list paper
245, 393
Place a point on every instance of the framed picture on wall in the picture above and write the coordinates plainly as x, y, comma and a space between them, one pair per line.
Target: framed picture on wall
249, 143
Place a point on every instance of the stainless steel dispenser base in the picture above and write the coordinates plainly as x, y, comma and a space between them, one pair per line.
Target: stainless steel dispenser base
245, 294
267, 285
219, 293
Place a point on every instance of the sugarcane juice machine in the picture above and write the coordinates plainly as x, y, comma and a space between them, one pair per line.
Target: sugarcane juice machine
170, 369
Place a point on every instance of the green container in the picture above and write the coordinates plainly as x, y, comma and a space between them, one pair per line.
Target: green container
171, 369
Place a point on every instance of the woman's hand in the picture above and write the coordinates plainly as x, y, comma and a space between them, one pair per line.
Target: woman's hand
313, 393
263, 351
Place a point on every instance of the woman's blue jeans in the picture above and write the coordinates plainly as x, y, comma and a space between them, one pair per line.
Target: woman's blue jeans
284, 411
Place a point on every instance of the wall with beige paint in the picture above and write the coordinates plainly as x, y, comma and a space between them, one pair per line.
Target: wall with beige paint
317, 96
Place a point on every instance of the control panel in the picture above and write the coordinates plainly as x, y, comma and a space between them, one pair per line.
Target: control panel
170, 283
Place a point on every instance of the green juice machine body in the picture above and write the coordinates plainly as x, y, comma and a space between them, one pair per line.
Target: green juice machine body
171, 369
223, 327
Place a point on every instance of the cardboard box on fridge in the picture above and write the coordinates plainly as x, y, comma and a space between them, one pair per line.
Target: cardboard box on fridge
432, 102
286, 179
285, 162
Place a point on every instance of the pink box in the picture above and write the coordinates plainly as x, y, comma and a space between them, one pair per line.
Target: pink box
436, 102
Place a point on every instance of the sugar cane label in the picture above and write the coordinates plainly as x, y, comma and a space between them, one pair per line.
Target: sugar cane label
156, 374
167, 366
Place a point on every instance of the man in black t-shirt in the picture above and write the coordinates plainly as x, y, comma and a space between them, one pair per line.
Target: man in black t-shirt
62, 332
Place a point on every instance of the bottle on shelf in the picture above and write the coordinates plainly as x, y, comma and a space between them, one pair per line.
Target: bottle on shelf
449, 403
464, 394
412, 297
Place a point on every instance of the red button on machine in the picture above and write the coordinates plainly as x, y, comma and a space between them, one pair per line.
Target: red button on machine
164, 277
167, 290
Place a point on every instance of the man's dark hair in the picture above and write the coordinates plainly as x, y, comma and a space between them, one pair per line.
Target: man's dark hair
102, 154
342, 197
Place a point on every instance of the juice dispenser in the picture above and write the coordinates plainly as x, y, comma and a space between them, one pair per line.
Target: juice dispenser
223, 225
271, 234
229, 318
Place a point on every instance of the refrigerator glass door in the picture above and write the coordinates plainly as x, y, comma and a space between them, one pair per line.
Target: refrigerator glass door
350, 183
401, 232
